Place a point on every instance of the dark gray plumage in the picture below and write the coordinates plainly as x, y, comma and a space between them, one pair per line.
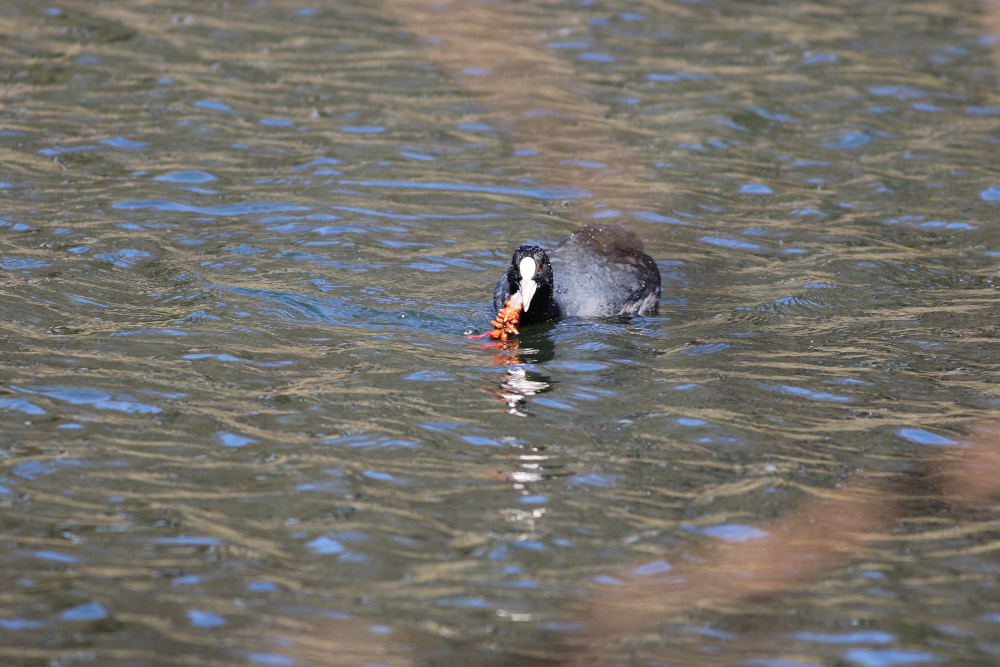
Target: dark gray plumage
601, 270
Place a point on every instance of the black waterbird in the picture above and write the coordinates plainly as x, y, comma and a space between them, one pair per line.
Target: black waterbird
601, 270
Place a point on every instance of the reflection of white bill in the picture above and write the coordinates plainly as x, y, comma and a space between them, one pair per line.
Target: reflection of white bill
518, 387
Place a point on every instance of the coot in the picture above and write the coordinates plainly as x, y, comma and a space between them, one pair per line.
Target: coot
601, 270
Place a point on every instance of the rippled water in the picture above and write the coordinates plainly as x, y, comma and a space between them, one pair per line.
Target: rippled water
243, 243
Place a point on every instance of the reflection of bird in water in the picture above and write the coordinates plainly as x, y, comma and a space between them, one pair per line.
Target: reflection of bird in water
517, 386
601, 270
507, 354
518, 383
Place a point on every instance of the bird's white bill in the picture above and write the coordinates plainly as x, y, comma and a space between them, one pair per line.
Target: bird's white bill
528, 285
528, 288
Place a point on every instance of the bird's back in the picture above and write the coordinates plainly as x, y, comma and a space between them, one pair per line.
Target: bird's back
604, 271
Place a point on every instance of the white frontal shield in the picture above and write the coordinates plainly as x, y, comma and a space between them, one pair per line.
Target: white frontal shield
528, 284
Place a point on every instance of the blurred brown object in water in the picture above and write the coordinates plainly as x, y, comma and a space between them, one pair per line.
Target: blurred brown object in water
991, 22
803, 546
970, 475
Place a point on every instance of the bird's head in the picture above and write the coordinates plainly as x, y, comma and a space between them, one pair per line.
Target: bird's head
530, 272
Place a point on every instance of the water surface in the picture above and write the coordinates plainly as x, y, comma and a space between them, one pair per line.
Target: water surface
242, 245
